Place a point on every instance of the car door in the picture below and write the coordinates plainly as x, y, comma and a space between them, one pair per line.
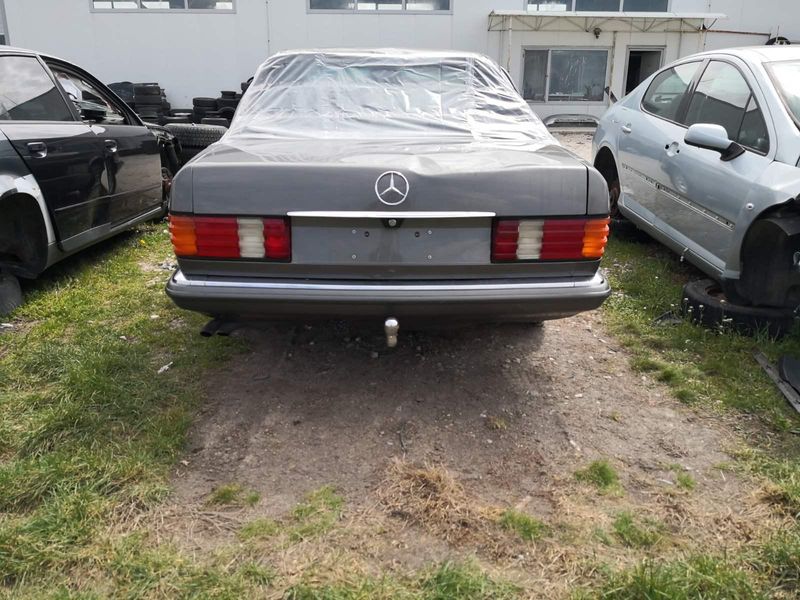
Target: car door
645, 132
63, 154
703, 195
131, 153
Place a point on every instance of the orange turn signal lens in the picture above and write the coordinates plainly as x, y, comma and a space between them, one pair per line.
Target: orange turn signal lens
183, 235
595, 237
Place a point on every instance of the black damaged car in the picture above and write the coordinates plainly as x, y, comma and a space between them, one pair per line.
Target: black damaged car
77, 165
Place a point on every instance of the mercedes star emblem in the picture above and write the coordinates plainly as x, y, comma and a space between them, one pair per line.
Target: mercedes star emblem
392, 188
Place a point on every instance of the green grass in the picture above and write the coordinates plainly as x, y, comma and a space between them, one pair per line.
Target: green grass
637, 533
713, 368
600, 474
88, 428
232, 494
317, 514
259, 529
698, 577
449, 581
525, 526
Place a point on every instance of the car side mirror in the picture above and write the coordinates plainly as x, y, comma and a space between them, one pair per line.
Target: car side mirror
713, 137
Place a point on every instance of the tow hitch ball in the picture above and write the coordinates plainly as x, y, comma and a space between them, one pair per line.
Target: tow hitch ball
391, 327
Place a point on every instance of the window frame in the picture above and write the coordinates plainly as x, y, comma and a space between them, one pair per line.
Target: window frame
356, 11
685, 106
131, 118
689, 93
571, 8
549, 49
76, 118
165, 11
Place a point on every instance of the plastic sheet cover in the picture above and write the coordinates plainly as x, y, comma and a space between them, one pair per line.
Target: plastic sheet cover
383, 94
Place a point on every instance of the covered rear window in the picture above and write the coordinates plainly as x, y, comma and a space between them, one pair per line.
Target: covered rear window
383, 95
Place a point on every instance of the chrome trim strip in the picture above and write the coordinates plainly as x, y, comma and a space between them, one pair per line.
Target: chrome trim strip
566, 283
368, 214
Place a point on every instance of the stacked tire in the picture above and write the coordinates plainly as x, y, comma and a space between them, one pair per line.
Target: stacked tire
216, 111
195, 137
150, 102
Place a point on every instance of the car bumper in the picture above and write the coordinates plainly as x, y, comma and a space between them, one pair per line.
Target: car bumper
276, 299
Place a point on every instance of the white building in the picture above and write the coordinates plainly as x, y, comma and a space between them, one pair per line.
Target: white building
562, 54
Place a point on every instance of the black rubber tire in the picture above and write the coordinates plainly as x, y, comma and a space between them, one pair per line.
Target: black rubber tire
216, 121
176, 120
623, 229
229, 94
227, 103
10, 294
704, 303
226, 113
146, 89
195, 136
147, 100
246, 85
205, 103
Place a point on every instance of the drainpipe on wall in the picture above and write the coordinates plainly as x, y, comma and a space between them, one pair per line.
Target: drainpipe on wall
510, 49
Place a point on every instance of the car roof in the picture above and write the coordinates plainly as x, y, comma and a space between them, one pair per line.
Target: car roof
15, 50
758, 54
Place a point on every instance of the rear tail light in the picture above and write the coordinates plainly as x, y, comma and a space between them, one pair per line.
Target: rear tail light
551, 239
229, 237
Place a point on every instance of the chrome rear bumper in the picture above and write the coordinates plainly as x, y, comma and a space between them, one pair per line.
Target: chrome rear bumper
508, 300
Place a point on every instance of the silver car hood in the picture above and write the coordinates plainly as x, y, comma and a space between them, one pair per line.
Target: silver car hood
275, 176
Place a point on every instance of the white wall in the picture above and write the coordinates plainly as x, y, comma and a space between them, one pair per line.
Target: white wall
194, 54
190, 54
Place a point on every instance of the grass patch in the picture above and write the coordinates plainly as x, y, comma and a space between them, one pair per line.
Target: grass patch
600, 474
317, 514
637, 533
88, 427
232, 494
706, 577
259, 529
449, 581
525, 526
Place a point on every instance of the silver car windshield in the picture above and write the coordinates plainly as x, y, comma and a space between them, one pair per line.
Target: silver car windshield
786, 77
383, 95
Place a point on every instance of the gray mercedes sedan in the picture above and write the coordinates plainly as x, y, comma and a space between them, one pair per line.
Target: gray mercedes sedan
389, 185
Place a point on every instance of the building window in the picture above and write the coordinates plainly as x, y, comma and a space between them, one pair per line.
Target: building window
227, 5
598, 5
549, 5
381, 5
565, 75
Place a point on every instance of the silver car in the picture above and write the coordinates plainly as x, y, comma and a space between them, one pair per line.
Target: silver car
389, 185
704, 157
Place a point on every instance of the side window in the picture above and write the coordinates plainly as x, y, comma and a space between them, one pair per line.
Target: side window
27, 93
665, 94
90, 102
723, 98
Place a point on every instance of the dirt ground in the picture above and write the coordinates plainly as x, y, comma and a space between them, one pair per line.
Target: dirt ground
511, 412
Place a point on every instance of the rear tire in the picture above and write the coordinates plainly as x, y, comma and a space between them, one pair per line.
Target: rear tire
703, 302
10, 294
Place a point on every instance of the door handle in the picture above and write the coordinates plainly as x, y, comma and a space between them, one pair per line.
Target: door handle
627, 128
111, 145
37, 149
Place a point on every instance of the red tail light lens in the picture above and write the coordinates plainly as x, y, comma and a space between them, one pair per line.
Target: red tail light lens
231, 237
551, 239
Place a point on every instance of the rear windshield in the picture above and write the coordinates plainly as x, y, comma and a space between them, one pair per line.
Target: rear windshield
383, 95
786, 77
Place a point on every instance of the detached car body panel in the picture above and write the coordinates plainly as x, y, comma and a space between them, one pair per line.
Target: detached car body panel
387, 183
76, 164
710, 204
